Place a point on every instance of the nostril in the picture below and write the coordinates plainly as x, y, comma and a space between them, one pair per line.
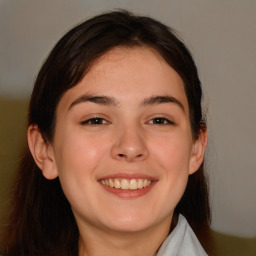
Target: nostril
124, 155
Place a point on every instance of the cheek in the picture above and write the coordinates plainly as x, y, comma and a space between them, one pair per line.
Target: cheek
172, 159
174, 153
77, 152
77, 157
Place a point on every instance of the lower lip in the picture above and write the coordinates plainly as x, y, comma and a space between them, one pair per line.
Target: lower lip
129, 194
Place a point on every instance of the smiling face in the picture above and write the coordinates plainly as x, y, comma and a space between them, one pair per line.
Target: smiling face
123, 147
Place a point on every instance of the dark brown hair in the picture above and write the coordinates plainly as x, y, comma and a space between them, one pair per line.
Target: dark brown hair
41, 221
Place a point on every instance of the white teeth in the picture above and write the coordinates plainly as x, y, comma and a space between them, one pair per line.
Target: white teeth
117, 183
126, 183
111, 183
140, 183
133, 184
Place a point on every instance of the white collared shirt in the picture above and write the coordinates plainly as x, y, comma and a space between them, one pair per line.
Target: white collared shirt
181, 242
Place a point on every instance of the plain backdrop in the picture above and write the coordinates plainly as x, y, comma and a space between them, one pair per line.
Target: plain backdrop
222, 37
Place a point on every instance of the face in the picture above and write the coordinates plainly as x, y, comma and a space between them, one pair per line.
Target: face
123, 147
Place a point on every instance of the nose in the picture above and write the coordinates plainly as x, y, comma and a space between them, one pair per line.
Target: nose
129, 145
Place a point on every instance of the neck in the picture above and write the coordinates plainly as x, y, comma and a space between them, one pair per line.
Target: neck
96, 242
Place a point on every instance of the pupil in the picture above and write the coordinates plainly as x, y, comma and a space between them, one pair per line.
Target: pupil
158, 120
97, 121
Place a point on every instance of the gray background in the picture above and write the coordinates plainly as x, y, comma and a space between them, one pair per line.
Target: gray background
222, 37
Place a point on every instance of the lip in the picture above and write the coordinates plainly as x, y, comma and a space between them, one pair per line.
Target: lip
128, 176
128, 194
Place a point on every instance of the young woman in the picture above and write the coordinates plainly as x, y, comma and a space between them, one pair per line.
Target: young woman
116, 142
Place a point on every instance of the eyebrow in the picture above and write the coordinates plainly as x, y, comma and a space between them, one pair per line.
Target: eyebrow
110, 101
102, 100
162, 99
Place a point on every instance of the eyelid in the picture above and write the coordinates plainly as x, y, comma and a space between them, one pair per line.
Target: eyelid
87, 120
168, 120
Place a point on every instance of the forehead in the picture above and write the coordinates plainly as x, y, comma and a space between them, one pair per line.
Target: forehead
135, 62
125, 72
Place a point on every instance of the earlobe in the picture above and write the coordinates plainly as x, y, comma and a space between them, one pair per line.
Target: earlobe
42, 152
198, 151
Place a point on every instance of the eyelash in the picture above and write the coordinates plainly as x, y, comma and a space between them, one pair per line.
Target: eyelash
102, 121
94, 121
161, 121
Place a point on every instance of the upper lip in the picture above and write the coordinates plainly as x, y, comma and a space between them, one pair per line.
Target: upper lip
128, 176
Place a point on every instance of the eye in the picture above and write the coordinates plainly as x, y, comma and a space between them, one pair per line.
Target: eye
94, 121
160, 121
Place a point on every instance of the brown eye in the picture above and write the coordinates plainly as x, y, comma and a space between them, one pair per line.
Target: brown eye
94, 121
160, 121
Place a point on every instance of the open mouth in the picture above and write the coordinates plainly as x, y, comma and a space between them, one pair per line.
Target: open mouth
126, 184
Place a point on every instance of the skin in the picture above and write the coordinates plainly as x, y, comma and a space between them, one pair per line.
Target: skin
134, 135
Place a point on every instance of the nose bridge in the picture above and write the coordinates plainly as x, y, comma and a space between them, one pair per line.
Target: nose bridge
130, 143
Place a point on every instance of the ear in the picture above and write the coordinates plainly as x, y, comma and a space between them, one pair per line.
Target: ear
42, 152
197, 152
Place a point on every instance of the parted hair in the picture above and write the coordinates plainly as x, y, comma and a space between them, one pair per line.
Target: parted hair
41, 221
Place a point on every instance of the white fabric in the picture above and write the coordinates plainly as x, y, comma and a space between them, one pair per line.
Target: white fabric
181, 242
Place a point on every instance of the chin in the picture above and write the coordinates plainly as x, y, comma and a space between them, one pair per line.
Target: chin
130, 224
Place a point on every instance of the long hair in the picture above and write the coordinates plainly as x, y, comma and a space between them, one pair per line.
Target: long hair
41, 221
